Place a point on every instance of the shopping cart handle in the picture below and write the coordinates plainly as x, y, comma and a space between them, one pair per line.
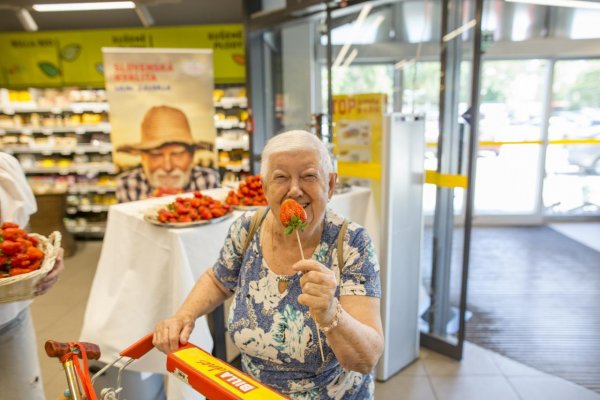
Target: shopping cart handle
139, 348
59, 349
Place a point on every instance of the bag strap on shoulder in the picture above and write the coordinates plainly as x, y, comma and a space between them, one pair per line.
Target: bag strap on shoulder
255, 222
340, 245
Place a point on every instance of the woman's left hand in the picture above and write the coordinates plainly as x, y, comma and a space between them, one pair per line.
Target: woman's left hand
49, 280
318, 290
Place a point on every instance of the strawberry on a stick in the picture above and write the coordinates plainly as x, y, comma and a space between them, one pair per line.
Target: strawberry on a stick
293, 217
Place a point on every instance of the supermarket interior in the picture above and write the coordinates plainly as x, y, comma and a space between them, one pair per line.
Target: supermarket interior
465, 135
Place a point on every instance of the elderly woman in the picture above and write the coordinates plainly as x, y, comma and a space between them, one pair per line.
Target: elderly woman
280, 300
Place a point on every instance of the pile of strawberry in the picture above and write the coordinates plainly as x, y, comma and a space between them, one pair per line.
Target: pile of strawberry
190, 209
18, 251
249, 193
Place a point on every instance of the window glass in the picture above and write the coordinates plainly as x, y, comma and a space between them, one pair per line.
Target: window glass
509, 137
572, 183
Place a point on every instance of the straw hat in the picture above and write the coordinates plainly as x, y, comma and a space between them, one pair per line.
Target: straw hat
164, 125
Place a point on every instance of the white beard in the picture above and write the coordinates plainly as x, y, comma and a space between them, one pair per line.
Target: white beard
176, 179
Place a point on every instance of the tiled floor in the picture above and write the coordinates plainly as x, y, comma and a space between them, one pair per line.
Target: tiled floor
534, 295
481, 375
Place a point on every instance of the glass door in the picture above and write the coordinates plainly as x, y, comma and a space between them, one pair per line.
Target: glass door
443, 323
510, 140
572, 182
282, 78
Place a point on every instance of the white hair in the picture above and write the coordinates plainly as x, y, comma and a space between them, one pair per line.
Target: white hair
296, 140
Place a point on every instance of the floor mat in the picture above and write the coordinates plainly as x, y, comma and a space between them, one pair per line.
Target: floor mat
535, 298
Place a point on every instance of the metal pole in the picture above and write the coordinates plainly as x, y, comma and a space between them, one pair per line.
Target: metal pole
472, 163
448, 147
72, 380
329, 74
546, 114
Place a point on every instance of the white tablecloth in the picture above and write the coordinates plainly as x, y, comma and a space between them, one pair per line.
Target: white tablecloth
146, 271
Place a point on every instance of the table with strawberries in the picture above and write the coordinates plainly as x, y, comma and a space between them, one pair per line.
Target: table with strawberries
146, 270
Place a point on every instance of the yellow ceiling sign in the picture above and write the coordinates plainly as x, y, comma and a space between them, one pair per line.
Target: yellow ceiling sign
74, 58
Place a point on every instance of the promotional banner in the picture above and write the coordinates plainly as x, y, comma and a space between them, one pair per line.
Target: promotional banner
358, 132
162, 119
358, 129
74, 58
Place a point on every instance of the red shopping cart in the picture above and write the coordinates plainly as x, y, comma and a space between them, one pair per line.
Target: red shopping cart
206, 374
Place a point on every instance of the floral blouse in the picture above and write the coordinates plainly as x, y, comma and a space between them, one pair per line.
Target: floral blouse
277, 336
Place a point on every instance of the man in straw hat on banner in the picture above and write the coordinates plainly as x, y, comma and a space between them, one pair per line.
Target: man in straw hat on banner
167, 156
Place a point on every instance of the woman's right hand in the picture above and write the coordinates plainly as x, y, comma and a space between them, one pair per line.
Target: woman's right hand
172, 332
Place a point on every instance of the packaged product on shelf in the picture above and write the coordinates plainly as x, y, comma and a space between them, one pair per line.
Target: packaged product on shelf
26, 160
16, 97
6, 121
69, 141
81, 159
237, 91
107, 181
9, 140
73, 120
46, 162
17, 121
73, 200
90, 119
64, 163
34, 120
218, 94
223, 158
42, 141
99, 138
110, 199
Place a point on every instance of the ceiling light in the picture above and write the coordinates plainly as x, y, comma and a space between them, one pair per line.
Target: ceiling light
102, 5
355, 29
26, 20
350, 58
560, 3
144, 15
459, 31
404, 63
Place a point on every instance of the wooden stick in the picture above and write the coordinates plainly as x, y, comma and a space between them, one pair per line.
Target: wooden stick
320, 342
316, 323
300, 244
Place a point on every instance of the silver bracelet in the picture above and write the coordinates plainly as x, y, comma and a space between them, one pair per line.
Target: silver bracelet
336, 318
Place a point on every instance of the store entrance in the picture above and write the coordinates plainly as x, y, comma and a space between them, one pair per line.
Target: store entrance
299, 61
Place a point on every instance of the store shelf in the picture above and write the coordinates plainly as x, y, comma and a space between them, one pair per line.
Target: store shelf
232, 102
235, 168
92, 232
93, 208
74, 108
85, 189
81, 169
79, 149
225, 124
229, 145
79, 129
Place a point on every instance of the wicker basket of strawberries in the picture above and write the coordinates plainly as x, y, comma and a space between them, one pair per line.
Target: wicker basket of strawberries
25, 258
